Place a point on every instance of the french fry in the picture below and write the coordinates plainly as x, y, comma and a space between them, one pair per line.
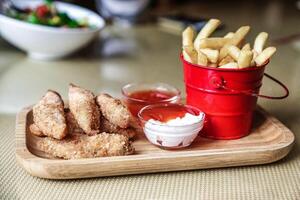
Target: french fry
231, 65
207, 30
234, 52
264, 55
246, 47
227, 59
202, 59
211, 54
212, 65
229, 51
239, 35
223, 52
190, 54
255, 54
260, 42
188, 36
235, 39
212, 43
229, 35
245, 58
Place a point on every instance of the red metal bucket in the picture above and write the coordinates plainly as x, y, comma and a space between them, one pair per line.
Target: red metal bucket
227, 96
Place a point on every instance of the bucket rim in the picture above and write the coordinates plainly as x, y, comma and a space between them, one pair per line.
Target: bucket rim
226, 69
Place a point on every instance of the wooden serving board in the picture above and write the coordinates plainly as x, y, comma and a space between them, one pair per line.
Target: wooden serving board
269, 141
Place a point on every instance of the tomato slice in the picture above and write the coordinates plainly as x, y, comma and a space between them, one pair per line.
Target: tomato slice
42, 11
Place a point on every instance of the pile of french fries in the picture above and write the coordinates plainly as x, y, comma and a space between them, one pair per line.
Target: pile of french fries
229, 51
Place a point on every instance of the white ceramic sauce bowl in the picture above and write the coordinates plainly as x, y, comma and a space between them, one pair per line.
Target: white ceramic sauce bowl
47, 43
171, 136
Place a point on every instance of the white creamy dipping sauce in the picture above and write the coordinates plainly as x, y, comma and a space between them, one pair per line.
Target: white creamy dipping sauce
186, 120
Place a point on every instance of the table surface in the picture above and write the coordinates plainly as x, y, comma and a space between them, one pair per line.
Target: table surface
147, 53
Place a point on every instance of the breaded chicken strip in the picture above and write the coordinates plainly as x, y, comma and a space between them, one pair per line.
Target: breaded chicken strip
114, 111
72, 124
35, 130
78, 145
108, 127
48, 116
84, 108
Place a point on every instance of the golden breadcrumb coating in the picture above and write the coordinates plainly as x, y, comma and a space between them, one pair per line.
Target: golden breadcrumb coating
84, 108
78, 145
35, 130
72, 123
49, 117
114, 111
108, 127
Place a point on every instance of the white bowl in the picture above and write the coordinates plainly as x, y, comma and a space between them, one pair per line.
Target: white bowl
171, 136
169, 139
46, 43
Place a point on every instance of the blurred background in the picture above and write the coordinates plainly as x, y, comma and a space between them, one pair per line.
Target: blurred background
272, 13
141, 42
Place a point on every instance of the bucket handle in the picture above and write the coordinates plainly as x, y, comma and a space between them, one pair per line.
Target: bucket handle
221, 84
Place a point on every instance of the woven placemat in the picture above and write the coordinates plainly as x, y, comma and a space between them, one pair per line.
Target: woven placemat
280, 180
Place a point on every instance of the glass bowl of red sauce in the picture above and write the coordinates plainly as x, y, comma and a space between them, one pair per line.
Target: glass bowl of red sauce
171, 126
138, 95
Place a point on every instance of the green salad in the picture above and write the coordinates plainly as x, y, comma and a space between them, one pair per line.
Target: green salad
46, 14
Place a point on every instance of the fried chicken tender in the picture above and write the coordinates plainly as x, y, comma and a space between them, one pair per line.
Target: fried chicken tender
77, 145
35, 130
72, 124
108, 127
48, 116
84, 108
114, 111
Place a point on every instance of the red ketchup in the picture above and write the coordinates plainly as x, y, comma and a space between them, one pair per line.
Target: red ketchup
139, 99
167, 112
151, 96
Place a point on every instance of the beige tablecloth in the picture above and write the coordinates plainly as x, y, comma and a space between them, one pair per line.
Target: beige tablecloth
280, 180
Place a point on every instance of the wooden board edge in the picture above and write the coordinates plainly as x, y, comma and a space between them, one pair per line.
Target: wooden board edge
289, 138
43, 170
168, 165
27, 160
